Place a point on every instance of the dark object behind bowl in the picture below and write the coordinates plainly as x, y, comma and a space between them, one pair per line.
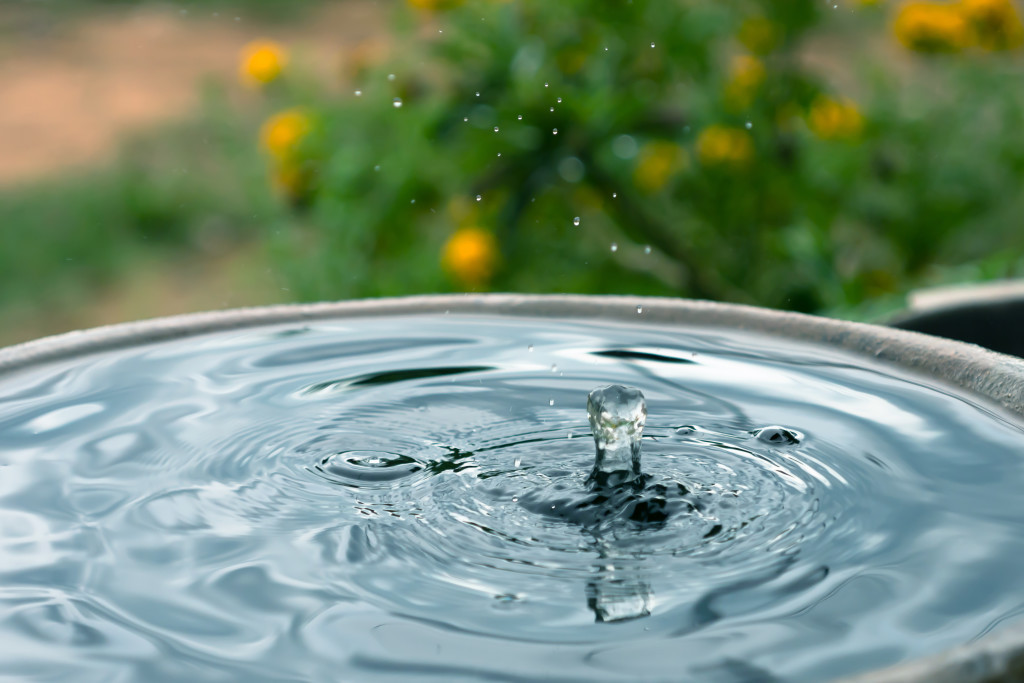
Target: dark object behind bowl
998, 326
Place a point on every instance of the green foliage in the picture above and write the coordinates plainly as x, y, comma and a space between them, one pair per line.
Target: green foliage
818, 214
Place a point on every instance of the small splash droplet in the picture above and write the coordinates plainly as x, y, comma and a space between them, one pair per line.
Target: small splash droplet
495, 129
569, 435
530, 348
614, 195
576, 221
397, 103
520, 117
652, 44
551, 402
515, 499
391, 77
554, 131
478, 94
552, 108
518, 462
545, 85
778, 436
499, 154
559, 100
479, 197
639, 310
647, 249
359, 93
554, 368
615, 247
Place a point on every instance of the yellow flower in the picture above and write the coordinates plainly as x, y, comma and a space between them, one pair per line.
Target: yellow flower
931, 27
746, 74
657, 162
282, 133
759, 35
262, 61
831, 119
994, 24
470, 255
724, 146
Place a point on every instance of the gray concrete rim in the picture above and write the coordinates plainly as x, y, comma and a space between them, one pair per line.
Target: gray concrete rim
990, 378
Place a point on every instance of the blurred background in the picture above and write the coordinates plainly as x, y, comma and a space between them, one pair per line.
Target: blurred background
827, 157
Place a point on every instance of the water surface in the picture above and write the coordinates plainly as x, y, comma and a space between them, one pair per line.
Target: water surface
384, 500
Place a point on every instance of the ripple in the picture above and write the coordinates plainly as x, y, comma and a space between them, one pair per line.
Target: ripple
270, 503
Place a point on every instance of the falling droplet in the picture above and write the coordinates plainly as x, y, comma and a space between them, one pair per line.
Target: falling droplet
569, 435
652, 44
576, 221
559, 100
614, 195
495, 129
551, 402
647, 249
615, 247
639, 310
554, 368
478, 94
391, 77
397, 103
499, 154
545, 85
466, 119
359, 93
518, 462
552, 108
520, 117
554, 131
530, 348
479, 197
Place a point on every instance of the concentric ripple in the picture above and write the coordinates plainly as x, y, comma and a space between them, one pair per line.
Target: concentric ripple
406, 499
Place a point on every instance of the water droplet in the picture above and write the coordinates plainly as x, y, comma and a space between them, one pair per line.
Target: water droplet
479, 197
530, 348
545, 85
478, 94
778, 436
359, 93
518, 462
569, 435
749, 125
639, 310
397, 102
685, 430
515, 499
412, 201
614, 195
466, 119
552, 108
495, 129
647, 249
499, 154
554, 368
377, 167
554, 131
391, 77
520, 117
576, 221
652, 44
615, 247
551, 402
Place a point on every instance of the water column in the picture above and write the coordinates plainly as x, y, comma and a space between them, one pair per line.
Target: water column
617, 417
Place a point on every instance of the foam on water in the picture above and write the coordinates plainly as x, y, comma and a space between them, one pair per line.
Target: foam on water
396, 499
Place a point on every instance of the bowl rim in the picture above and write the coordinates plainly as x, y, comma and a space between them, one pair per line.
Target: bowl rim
992, 379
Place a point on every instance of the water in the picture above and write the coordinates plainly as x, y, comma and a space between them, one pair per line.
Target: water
394, 499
